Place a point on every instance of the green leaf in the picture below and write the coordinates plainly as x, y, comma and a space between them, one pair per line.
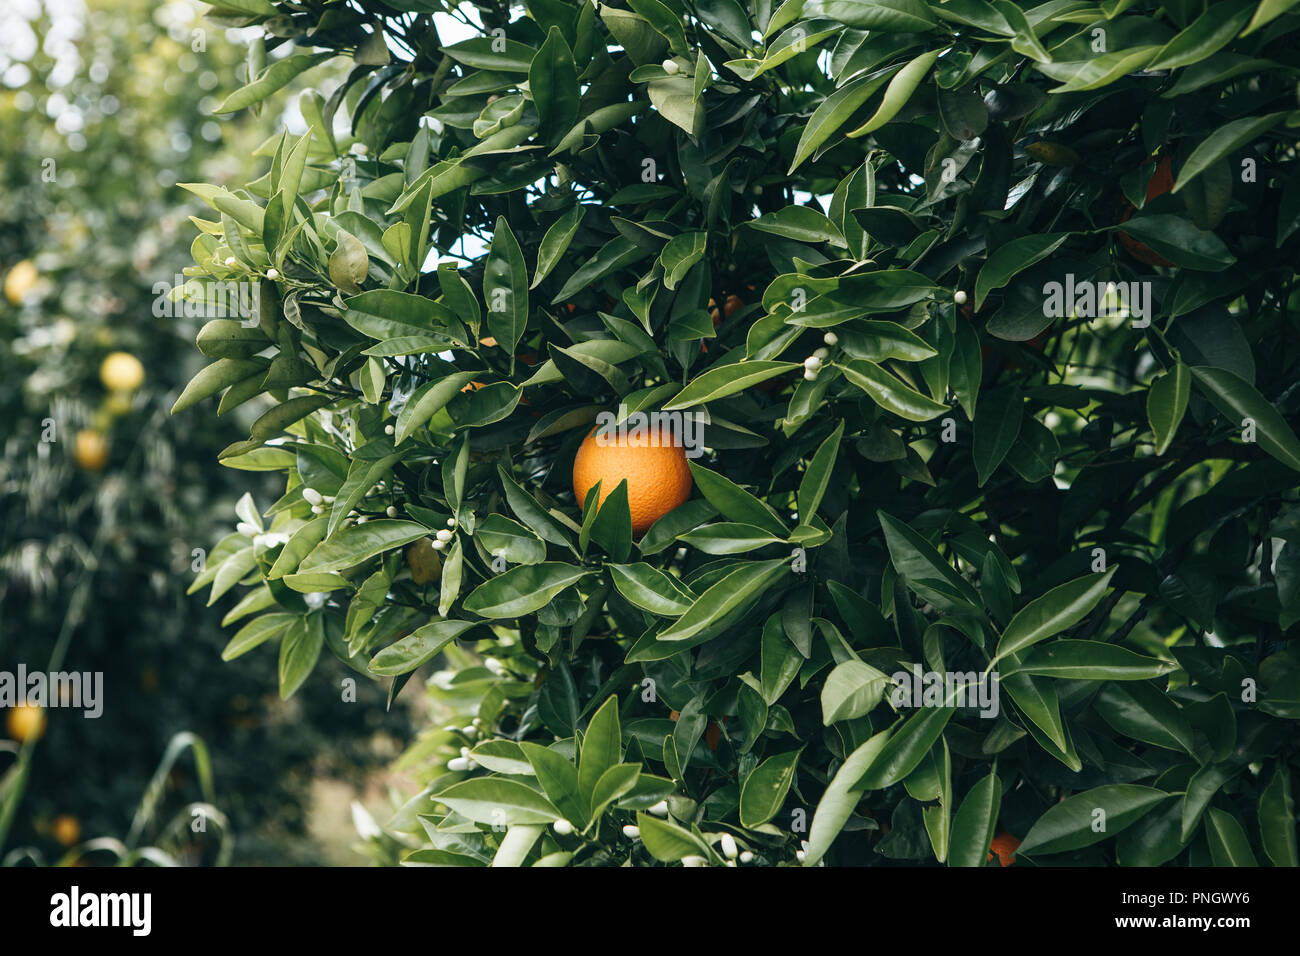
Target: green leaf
735, 502
485, 799
1014, 257
522, 590
1205, 36
899, 91
1266, 12
726, 380
730, 593
834, 111
1224, 141
553, 83
1178, 240
1092, 660
851, 690
765, 789
887, 16
974, 825
508, 539
505, 288
299, 650
800, 223
277, 75
1143, 712
1072, 823
906, 747
556, 242
1238, 400
1058, 610
417, 648
256, 632
996, 430
919, 564
1166, 403
219, 375
602, 748
1229, 845
667, 841
816, 478
651, 589
426, 401
889, 392
1277, 824
355, 543
362, 475
840, 798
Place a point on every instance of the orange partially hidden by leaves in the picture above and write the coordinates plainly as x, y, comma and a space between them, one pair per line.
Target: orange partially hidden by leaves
1161, 181
1004, 845
654, 465
488, 341
712, 733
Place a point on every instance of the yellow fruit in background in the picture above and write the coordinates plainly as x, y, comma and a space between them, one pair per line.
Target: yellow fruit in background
67, 829
20, 280
423, 560
121, 372
91, 450
117, 403
25, 722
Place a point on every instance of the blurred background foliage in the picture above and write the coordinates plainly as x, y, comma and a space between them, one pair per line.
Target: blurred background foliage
104, 106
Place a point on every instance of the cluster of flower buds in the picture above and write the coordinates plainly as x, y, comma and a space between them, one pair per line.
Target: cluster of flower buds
812, 365
442, 537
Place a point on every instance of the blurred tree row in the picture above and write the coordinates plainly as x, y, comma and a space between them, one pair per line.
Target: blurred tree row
103, 498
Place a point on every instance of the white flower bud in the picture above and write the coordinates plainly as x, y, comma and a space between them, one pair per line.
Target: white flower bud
830, 338
317, 510
458, 764
809, 375
469, 731
477, 722
444, 535
729, 848
439, 545
273, 274
747, 857
562, 827
799, 855
231, 260
451, 522
388, 429
312, 495
821, 354
328, 499
362, 519
959, 297
390, 511
464, 751
670, 67
632, 832
360, 149
660, 809
247, 529
451, 729
812, 363
694, 861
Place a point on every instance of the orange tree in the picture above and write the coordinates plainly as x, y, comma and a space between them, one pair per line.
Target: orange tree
1001, 387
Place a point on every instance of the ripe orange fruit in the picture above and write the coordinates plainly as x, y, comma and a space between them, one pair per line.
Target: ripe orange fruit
25, 722
1161, 181
67, 830
1004, 845
658, 479
121, 372
90, 450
